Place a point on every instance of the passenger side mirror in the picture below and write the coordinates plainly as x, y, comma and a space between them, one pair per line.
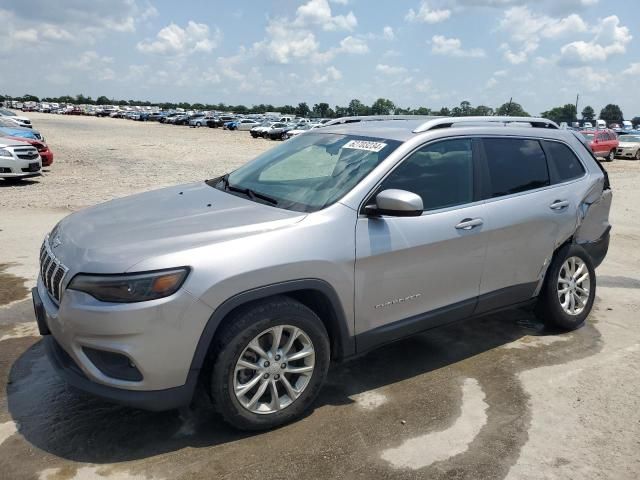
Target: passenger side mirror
396, 203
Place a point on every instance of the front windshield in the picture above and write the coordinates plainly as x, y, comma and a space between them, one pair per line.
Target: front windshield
309, 172
588, 136
630, 139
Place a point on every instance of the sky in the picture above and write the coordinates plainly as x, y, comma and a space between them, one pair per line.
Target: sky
431, 53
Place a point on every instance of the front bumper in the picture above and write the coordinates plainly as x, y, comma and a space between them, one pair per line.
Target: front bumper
626, 153
156, 339
18, 168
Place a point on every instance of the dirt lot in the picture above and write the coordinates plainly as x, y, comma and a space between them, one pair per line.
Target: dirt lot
497, 397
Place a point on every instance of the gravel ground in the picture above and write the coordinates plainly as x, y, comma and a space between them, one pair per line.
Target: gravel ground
97, 159
490, 398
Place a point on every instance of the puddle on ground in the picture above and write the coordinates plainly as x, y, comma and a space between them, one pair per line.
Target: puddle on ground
11, 286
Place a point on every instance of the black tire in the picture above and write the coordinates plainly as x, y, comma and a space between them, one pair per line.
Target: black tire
638, 155
243, 326
611, 156
283, 136
548, 308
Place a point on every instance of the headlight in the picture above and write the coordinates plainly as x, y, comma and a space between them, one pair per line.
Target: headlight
129, 288
5, 153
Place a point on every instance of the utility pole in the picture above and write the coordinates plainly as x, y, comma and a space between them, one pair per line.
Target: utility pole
577, 100
509, 107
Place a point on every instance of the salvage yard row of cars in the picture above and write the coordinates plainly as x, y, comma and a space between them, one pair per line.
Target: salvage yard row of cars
23, 150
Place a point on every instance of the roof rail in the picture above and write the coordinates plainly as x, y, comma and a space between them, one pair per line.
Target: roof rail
446, 122
377, 118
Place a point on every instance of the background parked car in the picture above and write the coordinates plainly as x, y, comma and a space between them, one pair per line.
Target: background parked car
244, 124
219, 121
629, 146
301, 128
261, 130
21, 132
279, 131
603, 143
21, 121
199, 120
43, 149
18, 160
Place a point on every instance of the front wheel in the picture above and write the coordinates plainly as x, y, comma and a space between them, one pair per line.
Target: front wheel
270, 363
569, 290
638, 155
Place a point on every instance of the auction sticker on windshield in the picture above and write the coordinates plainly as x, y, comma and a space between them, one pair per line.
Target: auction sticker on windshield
365, 145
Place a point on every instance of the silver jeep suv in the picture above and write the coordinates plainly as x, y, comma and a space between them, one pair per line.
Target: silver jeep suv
342, 239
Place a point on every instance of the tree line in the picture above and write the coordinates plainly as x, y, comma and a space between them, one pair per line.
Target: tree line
382, 106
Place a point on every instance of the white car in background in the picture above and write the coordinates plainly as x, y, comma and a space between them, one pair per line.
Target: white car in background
21, 121
302, 128
246, 124
629, 146
18, 160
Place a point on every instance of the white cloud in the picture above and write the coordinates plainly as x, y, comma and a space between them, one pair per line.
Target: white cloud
452, 47
388, 34
353, 45
318, 12
95, 64
527, 28
634, 69
175, 40
390, 69
611, 38
590, 79
426, 14
331, 74
284, 43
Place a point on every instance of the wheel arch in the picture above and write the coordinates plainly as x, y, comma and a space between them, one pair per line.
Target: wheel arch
315, 294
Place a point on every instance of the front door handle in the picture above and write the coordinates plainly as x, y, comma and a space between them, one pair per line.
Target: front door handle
559, 205
469, 223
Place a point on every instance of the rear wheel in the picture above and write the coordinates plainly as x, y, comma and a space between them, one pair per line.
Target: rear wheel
611, 156
270, 363
638, 155
569, 289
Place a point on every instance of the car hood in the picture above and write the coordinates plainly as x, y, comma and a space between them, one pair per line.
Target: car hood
624, 144
113, 237
19, 132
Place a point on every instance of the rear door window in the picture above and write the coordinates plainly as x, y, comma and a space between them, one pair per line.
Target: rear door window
563, 163
514, 165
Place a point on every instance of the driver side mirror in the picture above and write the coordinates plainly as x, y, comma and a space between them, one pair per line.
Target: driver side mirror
396, 203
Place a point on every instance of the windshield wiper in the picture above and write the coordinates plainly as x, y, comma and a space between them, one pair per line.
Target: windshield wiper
252, 194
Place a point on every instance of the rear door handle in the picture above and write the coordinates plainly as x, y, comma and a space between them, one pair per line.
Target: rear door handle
469, 223
559, 205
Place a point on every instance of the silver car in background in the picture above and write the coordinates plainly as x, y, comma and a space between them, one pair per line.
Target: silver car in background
337, 241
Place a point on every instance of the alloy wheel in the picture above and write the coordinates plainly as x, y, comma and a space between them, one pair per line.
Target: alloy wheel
274, 369
573, 286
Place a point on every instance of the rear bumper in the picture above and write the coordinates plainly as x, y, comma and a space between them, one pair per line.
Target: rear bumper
156, 400
598, 249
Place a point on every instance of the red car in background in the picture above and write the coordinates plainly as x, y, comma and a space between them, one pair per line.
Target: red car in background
603, 143
43, 149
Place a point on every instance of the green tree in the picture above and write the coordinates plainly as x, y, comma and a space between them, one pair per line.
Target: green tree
511, 109
611, 114
466, 109
303, 110
483, 111
357, 108
635, 121
566, 113
382, 106
321, 110
588, 114
341, 111
444, 112
421, 111
102, 100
